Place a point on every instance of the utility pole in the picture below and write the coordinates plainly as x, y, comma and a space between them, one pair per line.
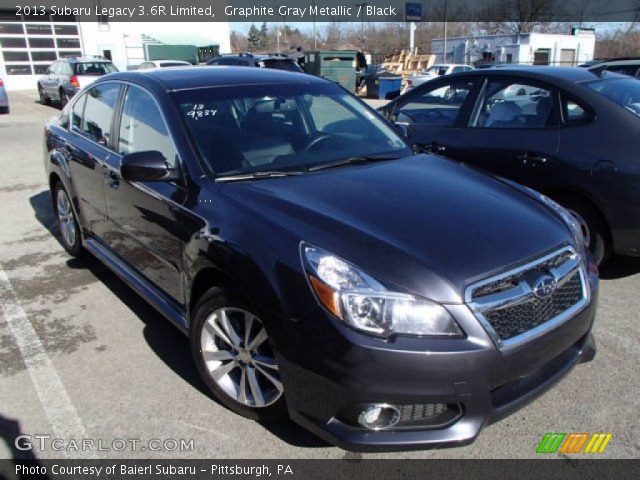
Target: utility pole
444, 47
362, 5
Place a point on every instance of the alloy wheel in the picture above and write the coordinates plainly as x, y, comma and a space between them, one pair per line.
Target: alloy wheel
236, 352
66, 219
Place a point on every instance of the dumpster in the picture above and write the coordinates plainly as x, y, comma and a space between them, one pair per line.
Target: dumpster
383, 85
336, 65
389, 87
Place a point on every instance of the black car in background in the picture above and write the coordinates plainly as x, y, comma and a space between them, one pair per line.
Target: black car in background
68, 75
319, 268
274, 61
566, 132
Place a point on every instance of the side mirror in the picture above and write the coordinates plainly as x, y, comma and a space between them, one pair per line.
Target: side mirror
147, 166
402, 129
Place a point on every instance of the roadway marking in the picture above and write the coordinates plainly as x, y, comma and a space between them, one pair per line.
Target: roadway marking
57, 405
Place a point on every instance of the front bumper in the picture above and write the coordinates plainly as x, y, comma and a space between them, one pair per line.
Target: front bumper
342, 368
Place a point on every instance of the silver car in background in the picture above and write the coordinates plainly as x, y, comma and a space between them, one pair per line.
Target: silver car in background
434, 71
4, 98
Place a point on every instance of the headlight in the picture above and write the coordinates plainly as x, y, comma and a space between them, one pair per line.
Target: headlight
365, 304
568, 219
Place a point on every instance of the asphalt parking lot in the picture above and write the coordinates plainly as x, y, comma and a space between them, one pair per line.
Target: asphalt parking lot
82, 356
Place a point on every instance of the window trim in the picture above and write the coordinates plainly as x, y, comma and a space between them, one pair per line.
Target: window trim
564, 98
553, 93
85, 92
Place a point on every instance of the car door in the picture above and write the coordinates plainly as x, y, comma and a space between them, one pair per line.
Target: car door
513, 130
434, 112
144, 226
88, 149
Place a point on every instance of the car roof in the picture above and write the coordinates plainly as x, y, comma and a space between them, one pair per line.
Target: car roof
632, 62
186, 78
541, 72
85, 59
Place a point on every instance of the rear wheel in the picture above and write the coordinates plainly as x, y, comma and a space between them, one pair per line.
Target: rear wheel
231, 348
594, 229
44, 100
64, 99
67, 222
4, 110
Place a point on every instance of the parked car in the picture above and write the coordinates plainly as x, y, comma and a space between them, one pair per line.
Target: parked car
163, 64
627, 66
273, 61
4, 98
66, 76
572, 135
394, 300
434, 71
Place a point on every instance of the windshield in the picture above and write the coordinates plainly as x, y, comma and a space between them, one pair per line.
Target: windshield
95, 68
623, 91
289, 127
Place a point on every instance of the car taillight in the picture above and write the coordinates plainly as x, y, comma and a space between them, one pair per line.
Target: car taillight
1, 83
75, 82
409, 82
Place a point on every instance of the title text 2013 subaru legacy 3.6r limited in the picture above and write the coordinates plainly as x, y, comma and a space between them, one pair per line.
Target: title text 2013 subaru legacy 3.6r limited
382, 300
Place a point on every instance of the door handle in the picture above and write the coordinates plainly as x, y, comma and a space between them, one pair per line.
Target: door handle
434, 148
70, 148
112, 179
532, 160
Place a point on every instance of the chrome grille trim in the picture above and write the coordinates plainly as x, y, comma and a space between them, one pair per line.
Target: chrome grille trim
561, 264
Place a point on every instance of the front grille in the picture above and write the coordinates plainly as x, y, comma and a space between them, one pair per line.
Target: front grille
511, 304
513, 321
413, 413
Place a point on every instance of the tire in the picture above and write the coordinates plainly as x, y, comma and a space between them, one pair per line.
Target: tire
67, 221
64, 99
4, 110
592, 224
44, 100
225, 365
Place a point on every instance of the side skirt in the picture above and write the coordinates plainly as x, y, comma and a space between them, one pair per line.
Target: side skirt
152, 294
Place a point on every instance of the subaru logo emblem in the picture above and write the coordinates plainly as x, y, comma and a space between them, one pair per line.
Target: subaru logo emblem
544, 286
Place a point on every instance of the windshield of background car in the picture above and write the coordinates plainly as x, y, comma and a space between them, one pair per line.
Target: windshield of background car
94, 68
288, 127
437, 70
287, 65
623, 91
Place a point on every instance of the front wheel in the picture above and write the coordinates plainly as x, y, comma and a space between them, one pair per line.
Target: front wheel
234, 357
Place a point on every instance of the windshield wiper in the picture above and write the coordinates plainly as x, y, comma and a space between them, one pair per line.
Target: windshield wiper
354, 161
256, 176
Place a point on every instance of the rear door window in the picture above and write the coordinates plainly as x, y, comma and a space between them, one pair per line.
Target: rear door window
98, 112
514, 104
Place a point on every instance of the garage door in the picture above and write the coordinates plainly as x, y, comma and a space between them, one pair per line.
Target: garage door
567, 57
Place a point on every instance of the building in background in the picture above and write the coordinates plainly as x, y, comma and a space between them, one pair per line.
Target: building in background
29, 46
526, 48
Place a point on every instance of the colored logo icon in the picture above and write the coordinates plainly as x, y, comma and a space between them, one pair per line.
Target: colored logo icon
574, 443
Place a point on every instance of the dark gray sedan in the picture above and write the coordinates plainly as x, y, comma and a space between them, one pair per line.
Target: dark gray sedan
565, 132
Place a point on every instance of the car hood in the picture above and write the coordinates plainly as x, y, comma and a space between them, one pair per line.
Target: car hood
422, 224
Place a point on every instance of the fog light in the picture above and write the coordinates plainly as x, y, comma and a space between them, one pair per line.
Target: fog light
379, 417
